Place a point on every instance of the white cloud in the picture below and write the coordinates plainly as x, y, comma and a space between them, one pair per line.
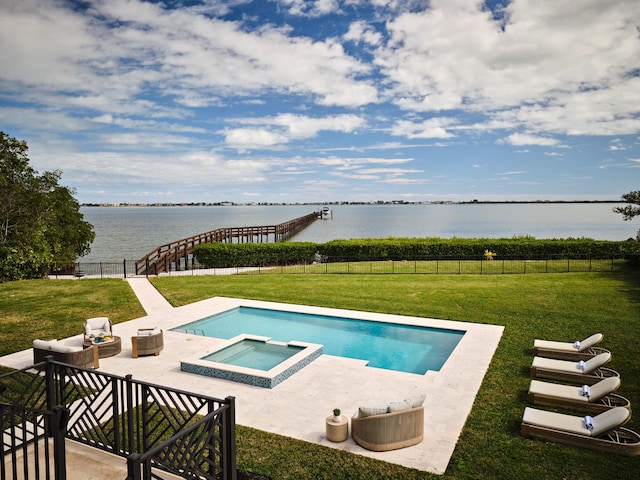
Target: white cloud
57, 50
282, 129
310, 8
432, 128
562, 64
360, 31
520, 139
252, 137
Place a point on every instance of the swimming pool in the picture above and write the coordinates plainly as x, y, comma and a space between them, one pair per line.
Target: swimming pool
392, 346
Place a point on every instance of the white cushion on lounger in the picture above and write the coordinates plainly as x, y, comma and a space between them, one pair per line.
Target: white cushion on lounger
602, 423
609, 420
557, 390
603, 388
567, 346
557, 421
571, 366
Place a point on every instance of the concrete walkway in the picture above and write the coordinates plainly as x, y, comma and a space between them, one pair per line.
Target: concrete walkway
150, 299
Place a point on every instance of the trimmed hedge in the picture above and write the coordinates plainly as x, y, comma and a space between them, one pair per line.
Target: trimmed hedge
224, 255
289, 253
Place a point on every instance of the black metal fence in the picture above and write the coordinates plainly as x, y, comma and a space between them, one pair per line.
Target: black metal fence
155, 428
424, 265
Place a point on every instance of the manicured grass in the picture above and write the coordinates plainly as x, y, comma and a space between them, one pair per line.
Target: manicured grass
49, 309
555, 306
564, 306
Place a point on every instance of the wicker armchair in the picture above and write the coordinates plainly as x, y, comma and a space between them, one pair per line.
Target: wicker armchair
389, 431
148, 341
69, 354
97, 327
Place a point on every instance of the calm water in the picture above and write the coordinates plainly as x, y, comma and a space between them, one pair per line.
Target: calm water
404, 348
132, 232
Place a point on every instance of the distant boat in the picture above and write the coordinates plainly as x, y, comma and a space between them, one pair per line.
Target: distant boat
326, 213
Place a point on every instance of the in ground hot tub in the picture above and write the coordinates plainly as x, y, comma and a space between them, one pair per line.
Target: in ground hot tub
254, 360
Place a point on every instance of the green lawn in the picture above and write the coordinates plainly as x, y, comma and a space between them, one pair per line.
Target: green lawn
566, 306
58, 308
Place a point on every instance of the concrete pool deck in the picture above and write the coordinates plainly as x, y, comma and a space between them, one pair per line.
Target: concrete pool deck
298, 406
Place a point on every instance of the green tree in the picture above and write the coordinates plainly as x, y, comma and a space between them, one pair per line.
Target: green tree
630, 211
41, 227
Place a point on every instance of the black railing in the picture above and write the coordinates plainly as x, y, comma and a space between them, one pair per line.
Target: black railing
155, 428
421, 265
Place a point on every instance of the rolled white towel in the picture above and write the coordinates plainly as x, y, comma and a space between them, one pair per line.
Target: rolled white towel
586, 391
581, 365
576, 345
588, 422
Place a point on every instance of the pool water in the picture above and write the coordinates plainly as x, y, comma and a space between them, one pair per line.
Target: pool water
391, 346
254, 354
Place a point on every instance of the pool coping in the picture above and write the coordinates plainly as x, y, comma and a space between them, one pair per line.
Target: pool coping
298, 407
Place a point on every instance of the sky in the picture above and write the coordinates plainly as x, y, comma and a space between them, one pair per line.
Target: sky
326, 100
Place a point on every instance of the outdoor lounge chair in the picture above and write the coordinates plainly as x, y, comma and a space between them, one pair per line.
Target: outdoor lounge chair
389, 427
596, 398
606, 434
64, 352
147, 341
97, 327
580, 350
591, 372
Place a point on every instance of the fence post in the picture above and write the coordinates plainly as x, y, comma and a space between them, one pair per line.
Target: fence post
58, 424
124, 266
230, 440
133, 467
130, 418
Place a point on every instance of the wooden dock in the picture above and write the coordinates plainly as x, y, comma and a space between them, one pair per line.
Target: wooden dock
172, 255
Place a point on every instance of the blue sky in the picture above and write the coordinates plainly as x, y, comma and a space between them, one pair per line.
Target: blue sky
326, 100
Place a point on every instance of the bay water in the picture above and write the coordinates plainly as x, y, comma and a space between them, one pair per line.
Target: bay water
129, 233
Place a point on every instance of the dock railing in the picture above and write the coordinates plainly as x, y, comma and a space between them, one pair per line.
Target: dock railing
177, 254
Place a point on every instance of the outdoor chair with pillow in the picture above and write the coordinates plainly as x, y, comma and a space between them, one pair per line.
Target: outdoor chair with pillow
579, 350
582, 372
603, 432
595, 398
392, 426
67, 353
147, 341
97, 327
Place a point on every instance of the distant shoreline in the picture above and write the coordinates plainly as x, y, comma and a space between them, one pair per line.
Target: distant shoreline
397, 202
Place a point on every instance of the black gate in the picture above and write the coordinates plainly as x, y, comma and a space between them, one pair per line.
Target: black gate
157, 429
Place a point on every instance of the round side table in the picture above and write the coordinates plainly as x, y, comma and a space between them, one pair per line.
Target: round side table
337, 431
107, 349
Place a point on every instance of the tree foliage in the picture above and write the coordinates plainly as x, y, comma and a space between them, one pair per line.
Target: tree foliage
41, 227
632, 210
